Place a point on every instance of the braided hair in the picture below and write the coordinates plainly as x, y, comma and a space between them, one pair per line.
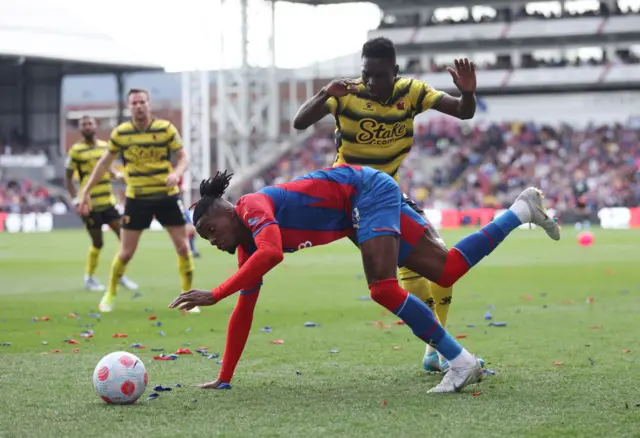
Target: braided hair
210, 190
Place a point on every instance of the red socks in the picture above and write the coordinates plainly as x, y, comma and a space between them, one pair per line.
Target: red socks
388, 293
454, 268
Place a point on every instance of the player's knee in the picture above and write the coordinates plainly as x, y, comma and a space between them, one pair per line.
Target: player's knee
388, 293
125, 255
97, 243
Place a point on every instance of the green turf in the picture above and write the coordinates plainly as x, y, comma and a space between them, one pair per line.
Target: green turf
529, 280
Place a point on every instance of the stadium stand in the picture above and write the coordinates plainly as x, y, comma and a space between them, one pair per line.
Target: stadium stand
486, 166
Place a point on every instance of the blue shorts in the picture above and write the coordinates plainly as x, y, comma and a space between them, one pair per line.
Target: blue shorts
413, 227
377, 208
188, 216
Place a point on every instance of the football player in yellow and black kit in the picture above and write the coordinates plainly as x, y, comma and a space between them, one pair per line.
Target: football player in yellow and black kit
374, 127
81, 160
145, 145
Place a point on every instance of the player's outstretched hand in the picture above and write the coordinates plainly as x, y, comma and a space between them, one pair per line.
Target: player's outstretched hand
342, 87
216, 384
172, 180
193, 298
464, 75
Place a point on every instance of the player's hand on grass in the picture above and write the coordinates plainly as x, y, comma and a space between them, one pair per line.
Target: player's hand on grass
216, 384
172, 180
193, 298
342, 87
464, 75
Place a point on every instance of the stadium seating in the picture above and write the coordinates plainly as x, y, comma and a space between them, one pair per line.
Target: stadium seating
20, 195
486, 166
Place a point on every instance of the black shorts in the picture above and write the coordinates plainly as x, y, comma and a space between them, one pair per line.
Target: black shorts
97, 219
139, 213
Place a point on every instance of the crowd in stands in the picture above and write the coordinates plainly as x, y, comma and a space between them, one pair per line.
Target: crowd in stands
20, 195
487, 166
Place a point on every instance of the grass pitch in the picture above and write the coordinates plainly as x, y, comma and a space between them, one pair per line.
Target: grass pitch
374, 385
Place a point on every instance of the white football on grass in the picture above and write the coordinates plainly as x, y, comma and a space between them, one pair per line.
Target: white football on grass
120, 378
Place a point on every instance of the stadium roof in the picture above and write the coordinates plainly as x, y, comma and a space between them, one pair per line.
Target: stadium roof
44, 29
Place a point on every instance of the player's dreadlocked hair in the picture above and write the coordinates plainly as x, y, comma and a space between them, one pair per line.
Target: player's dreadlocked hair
380, 47
210, 190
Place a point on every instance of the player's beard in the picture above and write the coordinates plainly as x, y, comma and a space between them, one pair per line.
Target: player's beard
89, 137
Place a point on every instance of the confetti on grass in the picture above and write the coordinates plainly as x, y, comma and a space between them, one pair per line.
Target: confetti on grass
166, 357
160, 388
498, 324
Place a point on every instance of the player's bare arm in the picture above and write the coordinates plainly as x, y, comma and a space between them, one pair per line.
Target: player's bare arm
181, 166
464, 77
68, 182
105, 163
315, 109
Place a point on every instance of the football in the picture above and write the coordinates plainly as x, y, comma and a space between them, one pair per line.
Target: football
120, 378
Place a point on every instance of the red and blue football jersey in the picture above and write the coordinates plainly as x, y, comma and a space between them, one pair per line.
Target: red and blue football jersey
313, 210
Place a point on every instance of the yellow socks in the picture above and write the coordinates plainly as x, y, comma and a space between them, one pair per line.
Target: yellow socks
185, 268
117, 271
436, 297
92, 260
442, 298
417, 285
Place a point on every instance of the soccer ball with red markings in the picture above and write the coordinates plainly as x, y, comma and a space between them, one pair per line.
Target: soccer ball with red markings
120, 378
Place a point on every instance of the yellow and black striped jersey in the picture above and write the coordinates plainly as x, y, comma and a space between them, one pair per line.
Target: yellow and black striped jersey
146, 157
82, 158
375, 134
